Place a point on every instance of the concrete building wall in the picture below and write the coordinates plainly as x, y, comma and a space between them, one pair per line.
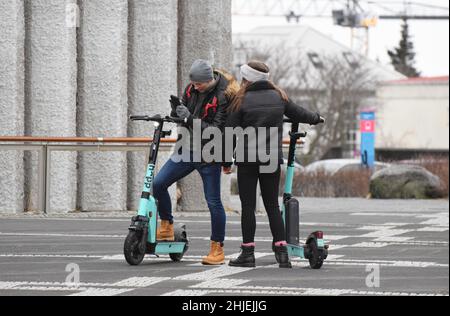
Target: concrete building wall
58, 79
102, 101
12, 27
204, 32
413, 116
50, 105
152, 62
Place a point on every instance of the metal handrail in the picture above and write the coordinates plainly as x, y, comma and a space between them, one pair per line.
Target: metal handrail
95, 140
106, 140
46, 145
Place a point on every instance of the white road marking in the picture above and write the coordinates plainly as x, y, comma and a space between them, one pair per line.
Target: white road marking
375, 244
139, 282
433, 229
135, 282
62, 235
215, 273
393, 239
187, 293
60, 287
334, 247
382, 214
220, 284
369, 245
256, 290
376, 227
387, 263
386, 233
13, 255
214, 286
86, 289
124, 220
335, 237
102, 292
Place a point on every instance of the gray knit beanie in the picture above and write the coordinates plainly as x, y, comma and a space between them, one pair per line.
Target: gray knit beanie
201, 71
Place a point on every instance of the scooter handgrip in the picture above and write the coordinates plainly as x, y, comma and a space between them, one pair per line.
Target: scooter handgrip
176, 120
139, 118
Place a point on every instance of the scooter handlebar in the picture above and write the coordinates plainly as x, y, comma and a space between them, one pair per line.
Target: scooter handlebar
140, 118
175, 120
158, 119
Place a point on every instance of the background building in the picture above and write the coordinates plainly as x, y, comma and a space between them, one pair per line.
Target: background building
413, 118
322, 75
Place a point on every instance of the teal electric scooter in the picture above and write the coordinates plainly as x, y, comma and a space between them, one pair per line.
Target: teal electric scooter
141, 239
315, 249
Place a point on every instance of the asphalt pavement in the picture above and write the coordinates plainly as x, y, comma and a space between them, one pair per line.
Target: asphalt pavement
376, 248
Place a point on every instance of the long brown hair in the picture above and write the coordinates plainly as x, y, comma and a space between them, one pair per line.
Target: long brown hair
239, 97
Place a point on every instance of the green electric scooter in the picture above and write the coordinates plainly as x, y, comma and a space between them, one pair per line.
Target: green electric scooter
141, 239
315, 249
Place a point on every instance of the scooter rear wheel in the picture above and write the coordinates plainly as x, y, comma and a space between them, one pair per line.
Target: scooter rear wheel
316, 259
180, 236
132, 249
177, 257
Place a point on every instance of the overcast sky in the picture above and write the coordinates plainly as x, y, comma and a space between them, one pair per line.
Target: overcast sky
431, 38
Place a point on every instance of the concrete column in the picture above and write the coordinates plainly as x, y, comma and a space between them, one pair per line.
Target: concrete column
152, 78
11, 103
102, 101
204, 32
50, 105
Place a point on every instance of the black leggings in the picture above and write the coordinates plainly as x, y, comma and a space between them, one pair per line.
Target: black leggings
248, 176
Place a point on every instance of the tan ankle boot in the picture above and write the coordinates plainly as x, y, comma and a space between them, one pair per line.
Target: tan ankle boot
165, 232
216, 255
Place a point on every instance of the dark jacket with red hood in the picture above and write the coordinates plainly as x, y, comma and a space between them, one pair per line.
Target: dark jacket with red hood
211, 107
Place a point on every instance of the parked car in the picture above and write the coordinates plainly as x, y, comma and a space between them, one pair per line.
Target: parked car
333, 166
298, 167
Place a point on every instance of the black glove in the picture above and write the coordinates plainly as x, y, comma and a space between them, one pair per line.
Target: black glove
184, 113
321, 120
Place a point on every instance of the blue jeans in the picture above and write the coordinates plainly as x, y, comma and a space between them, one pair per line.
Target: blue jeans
172, 172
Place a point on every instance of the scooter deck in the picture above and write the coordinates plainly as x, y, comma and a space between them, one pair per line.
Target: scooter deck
296, 251
168, 247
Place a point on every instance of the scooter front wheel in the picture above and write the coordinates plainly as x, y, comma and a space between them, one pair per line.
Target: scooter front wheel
133, 250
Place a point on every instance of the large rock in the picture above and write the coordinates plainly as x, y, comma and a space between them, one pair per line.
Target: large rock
405, 182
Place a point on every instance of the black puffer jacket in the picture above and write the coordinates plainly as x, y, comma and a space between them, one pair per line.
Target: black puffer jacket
211, 107
263, 107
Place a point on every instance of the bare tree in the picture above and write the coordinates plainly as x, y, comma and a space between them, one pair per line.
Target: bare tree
334, 86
